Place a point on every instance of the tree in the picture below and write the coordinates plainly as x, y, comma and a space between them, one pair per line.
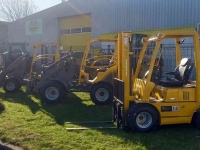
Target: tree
11, 10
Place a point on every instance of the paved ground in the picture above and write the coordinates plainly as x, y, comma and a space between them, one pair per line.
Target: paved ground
4, 146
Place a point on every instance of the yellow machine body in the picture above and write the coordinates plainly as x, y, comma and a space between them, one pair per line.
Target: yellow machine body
84, 76
183, 100
175, 105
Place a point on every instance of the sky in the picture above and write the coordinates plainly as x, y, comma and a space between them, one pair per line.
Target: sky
44, 4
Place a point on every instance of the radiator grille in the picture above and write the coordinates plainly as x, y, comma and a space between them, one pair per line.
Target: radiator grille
186, 96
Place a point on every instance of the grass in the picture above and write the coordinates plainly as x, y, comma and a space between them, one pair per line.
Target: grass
28, 123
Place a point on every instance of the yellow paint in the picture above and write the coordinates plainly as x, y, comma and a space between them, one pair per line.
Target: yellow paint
175, 94
75, 40
76, 21
150, 32
184, 98
83, 76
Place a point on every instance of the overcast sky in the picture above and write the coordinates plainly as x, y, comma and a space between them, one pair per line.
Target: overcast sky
44, 4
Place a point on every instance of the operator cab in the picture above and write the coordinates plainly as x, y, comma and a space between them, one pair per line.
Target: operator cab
175, 85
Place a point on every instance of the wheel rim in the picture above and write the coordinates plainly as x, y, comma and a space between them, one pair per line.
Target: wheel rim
52, 93
102, 94
144, 120
10, 86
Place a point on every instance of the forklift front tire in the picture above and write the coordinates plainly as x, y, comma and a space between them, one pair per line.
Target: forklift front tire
142, 117
11, 85
52, 92
101, 93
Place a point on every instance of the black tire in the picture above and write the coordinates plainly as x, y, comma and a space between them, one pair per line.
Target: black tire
196, 120
12, 81
101, 88
136, 110
52, 86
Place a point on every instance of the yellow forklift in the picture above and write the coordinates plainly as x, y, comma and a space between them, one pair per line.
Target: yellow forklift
141, 104
101, 87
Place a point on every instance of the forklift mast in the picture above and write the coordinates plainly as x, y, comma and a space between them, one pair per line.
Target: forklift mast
126, 67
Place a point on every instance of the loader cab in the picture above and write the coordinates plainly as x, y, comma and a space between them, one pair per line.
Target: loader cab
141, 104
15, 50
44, 55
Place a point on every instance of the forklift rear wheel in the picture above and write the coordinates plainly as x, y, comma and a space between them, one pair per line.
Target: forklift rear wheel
52, 92
101, 93
142, 117
11, 85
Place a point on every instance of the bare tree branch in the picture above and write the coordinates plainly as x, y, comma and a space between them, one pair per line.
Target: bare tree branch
11, 10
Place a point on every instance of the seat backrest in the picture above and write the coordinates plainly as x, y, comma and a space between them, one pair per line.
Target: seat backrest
183, 70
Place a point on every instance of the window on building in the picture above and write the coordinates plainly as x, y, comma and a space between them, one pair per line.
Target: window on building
66, 31
86, 29
76, 30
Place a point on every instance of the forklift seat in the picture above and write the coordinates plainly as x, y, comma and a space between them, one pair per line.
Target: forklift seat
181, 74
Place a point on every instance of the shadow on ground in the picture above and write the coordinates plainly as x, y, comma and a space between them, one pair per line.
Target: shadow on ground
74, 109
9, 147
71, 109
2, 107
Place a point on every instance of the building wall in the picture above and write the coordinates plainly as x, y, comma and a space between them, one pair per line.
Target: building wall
111, 16
77, 40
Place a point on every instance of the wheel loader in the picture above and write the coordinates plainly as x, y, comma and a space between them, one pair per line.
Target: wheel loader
54, 80
11, 78
14, 66
141, 104
12, 75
